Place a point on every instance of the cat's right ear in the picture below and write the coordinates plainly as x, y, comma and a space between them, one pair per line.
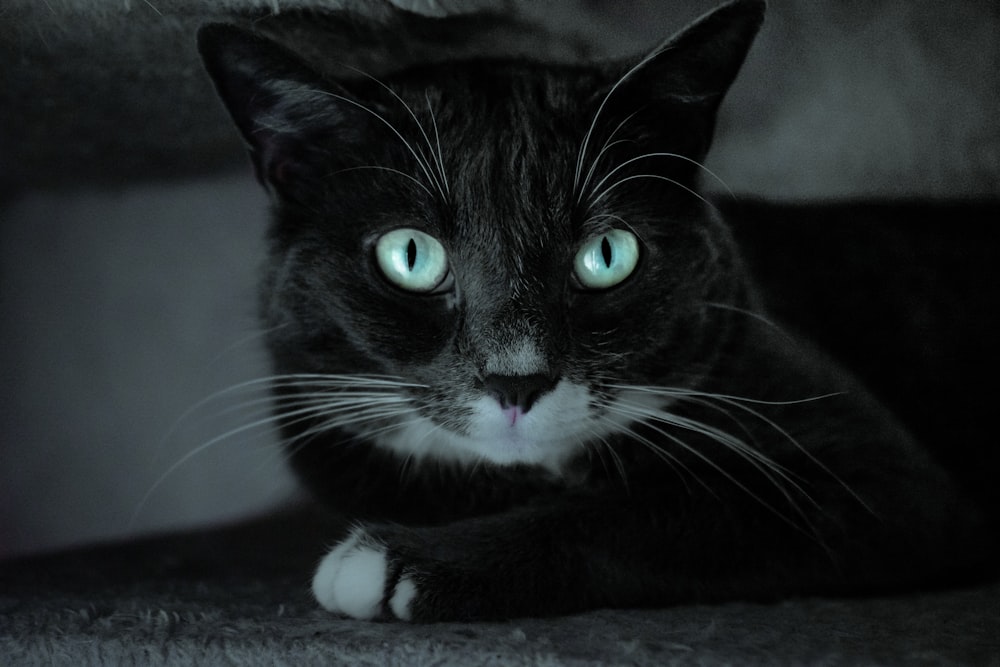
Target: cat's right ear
278, 102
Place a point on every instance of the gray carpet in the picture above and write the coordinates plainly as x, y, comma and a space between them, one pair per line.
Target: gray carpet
238, 596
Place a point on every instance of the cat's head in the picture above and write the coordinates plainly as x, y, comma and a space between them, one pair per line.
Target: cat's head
522, 246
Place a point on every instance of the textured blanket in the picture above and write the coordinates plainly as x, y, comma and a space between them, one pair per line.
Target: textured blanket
239, 597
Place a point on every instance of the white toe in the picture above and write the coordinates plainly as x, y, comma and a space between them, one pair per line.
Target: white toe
401, 598
351, 579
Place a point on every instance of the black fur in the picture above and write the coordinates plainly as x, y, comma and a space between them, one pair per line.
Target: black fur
857, 506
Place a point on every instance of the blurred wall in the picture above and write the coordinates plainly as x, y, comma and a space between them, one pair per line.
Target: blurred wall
122, 310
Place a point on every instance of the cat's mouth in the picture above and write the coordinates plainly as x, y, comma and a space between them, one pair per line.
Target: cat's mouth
557, 428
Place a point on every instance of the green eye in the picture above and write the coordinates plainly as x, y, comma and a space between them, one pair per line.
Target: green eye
412, 260
607, 260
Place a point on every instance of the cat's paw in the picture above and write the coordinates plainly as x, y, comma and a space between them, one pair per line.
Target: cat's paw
359, 579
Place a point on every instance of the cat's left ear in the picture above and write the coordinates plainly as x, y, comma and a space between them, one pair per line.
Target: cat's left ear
289, 115
698, 64
685, 78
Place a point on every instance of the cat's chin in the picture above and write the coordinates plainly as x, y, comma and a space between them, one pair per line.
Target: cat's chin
558, 427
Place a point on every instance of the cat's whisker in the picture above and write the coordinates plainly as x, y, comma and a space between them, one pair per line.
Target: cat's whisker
661, 453
644, 416
417, 155
313, 399
262, 383
714, 433
248, 338
677, 156
417, 444
751, 314
282, 407
582, 154
360, 417
615, 457
604, 193
256, 424
437, 141
341, 400
288, 447
441, 180
291, 445
609, 143
677, 392
322, 379
752, 455
740, 402
809, 455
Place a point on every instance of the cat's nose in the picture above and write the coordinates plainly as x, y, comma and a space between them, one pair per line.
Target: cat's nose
518, 390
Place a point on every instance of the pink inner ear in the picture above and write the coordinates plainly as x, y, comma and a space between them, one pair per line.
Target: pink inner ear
272, 162
279, 172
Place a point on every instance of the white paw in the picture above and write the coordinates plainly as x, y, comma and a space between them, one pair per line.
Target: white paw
353, 579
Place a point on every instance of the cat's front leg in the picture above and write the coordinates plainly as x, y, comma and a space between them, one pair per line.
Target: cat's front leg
391, 573
502, 566
574, 552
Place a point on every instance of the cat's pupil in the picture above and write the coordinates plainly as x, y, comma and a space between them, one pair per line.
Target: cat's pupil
606, 251
411, 254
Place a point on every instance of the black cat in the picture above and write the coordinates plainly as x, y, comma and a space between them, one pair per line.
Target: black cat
515, 342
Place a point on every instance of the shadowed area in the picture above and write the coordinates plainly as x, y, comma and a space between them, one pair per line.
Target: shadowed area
239, 596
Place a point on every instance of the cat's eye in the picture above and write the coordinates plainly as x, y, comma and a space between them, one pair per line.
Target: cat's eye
412, 259
606, 260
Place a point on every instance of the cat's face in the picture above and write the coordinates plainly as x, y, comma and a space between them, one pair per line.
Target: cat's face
521, 249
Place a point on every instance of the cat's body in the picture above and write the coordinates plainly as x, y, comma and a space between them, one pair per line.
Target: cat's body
515, 344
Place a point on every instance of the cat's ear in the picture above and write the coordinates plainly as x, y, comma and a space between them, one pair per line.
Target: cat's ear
280, 105
698, 64
686, 77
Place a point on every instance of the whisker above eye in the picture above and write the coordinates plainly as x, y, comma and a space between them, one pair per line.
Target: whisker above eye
441, 180
437, 141
678, 156
604, 193
582, 153
608, 144
417, 155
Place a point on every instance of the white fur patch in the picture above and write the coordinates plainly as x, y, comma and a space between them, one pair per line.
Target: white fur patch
352, 580
558, 426
402, 597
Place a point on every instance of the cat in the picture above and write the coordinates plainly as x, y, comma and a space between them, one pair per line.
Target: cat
515, 343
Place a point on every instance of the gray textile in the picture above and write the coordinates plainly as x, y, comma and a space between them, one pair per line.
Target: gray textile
891, 98
240, 596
